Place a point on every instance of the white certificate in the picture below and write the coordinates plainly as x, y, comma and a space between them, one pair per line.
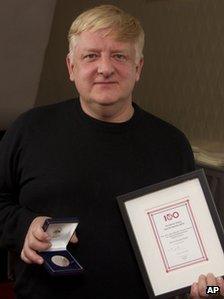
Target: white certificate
177, 235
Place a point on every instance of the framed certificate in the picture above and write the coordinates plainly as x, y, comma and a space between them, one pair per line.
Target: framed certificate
176, 233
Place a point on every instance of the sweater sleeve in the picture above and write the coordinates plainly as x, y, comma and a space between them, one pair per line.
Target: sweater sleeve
15, 218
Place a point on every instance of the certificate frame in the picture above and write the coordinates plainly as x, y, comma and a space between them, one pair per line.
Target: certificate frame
172, 254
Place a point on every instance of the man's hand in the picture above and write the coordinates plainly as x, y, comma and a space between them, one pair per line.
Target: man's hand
36, 240
198, 289
74, 239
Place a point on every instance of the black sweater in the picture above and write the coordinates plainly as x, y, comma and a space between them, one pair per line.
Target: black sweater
57, 161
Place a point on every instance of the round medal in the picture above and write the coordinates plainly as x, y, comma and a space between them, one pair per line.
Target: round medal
60, 260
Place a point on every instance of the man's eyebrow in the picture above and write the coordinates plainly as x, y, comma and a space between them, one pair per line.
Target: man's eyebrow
91, 50
98, 50
119, 51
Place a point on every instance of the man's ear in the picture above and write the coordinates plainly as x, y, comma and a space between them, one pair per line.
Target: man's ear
139, 67
70, 66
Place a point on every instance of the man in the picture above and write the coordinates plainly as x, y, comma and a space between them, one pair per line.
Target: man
73, 158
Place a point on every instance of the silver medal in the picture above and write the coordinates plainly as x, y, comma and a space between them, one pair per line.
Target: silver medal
60, 261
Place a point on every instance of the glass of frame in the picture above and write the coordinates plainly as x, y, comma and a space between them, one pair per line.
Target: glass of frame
176, 233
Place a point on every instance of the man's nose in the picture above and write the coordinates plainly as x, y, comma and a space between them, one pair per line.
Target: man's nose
105, 67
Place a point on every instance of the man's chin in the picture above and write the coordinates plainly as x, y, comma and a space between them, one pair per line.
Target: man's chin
105, 101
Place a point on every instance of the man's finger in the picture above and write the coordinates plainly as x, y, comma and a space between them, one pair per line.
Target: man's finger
39, 234
194, 291
24, 258
202, 285
74, 238
211, 280
35, 244
32, 256
220, 282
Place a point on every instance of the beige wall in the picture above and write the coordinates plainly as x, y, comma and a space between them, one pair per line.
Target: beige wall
184, 71
24, 33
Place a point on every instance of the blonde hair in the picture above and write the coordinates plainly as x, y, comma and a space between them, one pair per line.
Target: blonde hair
121, 25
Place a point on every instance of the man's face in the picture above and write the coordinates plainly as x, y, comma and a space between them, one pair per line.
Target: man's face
103, 69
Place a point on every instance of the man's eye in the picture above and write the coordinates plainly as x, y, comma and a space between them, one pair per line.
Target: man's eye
90, 56
120, 57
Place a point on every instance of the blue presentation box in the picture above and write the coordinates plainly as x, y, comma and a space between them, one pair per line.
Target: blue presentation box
57, 259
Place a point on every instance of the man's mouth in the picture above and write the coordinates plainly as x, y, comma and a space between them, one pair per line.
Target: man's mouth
105, 82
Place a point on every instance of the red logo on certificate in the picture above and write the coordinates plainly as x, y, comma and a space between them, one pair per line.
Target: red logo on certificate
177, 235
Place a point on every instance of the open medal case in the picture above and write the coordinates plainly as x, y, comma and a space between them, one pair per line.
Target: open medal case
57, 259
